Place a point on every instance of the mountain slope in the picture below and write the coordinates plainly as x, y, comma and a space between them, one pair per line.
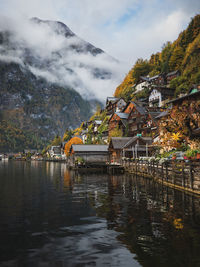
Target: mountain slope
37, 107
50, 80
183, 55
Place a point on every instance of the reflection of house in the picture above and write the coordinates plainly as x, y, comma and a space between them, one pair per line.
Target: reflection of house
92, 154
159, 94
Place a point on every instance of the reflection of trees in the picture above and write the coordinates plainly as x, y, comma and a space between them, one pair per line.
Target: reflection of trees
158, 224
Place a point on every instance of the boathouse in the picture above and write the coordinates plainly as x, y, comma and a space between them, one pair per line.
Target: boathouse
90, 154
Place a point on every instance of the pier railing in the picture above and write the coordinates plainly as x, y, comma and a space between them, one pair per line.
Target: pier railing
180, 174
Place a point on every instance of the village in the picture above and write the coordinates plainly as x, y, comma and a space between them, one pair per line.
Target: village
158, 126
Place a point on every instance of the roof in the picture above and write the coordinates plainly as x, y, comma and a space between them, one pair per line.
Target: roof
172, 73
162, 114
90, 148
111, 99
148, 140
122, 115
154, 114
142, 110
119, 142
184, 97
98, 122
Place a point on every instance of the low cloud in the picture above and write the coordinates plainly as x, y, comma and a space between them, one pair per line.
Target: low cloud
48, 53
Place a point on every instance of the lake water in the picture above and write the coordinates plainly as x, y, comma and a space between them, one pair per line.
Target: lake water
50, 216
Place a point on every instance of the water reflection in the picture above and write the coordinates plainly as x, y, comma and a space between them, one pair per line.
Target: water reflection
51, 216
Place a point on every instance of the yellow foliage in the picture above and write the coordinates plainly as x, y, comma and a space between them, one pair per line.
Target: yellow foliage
72, 141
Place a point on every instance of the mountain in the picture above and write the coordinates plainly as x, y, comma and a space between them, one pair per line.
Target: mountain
50, 80
183, 55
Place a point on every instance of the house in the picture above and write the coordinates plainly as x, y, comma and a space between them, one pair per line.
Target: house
137, 147
114, 104
150, 124
90, 154
84, 136
30, 151
96, 124
55, 152
136, 117
159, 95
115, 148
130, 147
118, 120
171, 75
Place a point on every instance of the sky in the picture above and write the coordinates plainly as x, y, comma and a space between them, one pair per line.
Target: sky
124, 29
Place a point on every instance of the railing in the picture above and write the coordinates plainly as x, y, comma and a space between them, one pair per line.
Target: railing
180, 174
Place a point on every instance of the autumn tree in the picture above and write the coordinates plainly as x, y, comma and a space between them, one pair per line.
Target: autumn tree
72, 141
180, 124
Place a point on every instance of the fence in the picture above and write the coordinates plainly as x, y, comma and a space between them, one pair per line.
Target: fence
180, 174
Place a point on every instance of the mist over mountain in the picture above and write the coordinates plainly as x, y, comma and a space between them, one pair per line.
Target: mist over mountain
50, 80
49, 49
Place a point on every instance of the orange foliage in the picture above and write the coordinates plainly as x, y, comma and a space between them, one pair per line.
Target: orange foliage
128, 81
72, 141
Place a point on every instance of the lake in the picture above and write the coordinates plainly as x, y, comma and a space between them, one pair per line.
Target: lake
51, 216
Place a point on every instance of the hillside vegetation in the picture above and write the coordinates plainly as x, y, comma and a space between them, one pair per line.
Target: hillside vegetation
183, 55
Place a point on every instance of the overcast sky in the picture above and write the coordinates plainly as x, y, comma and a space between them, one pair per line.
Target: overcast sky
125, 29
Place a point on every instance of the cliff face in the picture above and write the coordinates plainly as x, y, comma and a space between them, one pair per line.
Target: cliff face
36, 107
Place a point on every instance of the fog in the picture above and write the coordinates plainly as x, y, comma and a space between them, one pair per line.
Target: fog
50, 50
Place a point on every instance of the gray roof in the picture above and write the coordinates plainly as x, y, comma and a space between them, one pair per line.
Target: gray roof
172, 73
119, 142
112, 99
154, 114
148, 140
162, 114
140, 109
98, 122
90, 148
122, 115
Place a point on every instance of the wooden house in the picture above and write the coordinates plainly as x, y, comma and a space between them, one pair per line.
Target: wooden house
159, 95
114, 104
137, 147
115, 148
136, 117
118, 120
171, 75
150, 124
130, 147
90, 154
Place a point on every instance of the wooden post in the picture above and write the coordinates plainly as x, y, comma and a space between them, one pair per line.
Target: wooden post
146, 150
166, 166
183, 174
191, 175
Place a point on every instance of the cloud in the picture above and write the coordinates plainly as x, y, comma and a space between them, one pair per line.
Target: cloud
126, 30
48, 53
